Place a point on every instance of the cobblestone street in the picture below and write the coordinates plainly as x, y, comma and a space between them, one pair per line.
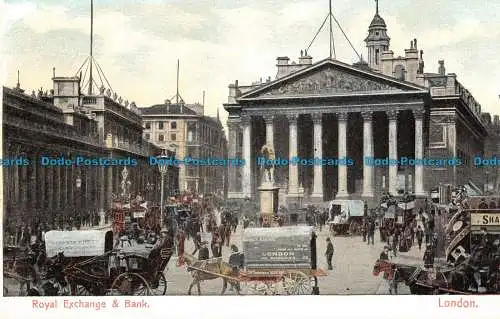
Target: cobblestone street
351, 275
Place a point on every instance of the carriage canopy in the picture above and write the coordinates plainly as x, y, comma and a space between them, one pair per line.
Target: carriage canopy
278, 248
78, 243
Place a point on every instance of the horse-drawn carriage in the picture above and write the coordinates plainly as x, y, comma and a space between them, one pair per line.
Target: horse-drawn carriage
276, 261
89, 265
472, 255
346, 217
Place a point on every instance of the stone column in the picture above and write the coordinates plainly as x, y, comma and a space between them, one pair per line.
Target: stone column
318, 153
393, 151
33, 183
23, 188
49, 171
293, 170
109, 186
269, 120
57, 182
419, 152
342, 147
247, 156
367, 153
233, 187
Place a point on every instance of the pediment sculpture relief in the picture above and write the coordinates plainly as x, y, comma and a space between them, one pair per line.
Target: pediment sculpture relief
330, 81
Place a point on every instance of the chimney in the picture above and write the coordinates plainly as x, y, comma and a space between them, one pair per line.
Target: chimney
282, 64
305, 59
441, 69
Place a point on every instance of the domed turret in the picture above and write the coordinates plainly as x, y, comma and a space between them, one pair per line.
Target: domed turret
377, 41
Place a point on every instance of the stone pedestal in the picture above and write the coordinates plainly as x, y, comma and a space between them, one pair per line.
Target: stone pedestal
268, 203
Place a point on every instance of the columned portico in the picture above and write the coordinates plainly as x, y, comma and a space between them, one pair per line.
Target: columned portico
317, 193
393, 151
247, 156
342, 147
293, 170
419, 152
367, 153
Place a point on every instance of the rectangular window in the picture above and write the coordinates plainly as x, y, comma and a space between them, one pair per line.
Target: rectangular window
173, 125
147, 137
161, 138
148, 125
190, 136
173, 137
160, 125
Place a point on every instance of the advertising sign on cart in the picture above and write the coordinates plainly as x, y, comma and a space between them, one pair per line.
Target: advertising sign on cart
77, 243
277, 248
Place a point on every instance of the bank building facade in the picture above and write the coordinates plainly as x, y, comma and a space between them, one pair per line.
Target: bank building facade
386, 107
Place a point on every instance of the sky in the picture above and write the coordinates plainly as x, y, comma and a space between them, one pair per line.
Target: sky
137, 42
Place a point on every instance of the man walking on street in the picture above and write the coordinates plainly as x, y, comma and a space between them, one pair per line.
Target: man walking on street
420, 237
371, 232
329, 253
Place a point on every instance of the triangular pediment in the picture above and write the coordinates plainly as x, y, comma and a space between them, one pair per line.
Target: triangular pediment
330, 78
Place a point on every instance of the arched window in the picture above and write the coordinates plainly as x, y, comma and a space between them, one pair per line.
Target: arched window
399, 72
377, 52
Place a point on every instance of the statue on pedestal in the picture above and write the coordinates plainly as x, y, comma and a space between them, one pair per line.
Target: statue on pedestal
268, 167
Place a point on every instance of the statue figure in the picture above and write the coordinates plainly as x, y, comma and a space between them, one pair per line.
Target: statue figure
126, 103
102, 89
108, 92
120, 100
115, 96
268, 153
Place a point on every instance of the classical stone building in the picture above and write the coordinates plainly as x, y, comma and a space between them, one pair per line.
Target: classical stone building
386, 107
185, 129
64, 123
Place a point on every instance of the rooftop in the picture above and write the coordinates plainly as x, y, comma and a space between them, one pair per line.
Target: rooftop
168, 109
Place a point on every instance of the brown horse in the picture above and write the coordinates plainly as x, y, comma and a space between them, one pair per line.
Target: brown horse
215, 268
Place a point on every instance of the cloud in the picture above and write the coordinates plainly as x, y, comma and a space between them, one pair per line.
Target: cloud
137, 44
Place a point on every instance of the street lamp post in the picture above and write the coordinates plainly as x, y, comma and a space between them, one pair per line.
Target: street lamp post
163, 167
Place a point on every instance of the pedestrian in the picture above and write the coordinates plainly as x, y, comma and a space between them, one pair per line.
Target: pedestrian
329, 253
384, 255
227, 234
371, 232
429, 257
197, 242
395, 239
235, 261
420, 236
483, 204
203, 253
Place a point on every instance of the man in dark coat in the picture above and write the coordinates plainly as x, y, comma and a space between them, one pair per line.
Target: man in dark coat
420, 236
329, 253
197, 242
370, 232
204, 253
429, 257
384, 255
235, 261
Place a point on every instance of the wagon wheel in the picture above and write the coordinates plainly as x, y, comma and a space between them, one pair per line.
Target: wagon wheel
161, 288
131, 284
297, 283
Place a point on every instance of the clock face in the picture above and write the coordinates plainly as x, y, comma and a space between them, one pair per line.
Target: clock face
457, 226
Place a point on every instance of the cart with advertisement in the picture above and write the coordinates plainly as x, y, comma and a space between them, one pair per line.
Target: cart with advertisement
276, 261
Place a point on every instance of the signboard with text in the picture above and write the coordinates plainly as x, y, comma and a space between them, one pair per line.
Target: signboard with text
277, 248
75, 243
485, 219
